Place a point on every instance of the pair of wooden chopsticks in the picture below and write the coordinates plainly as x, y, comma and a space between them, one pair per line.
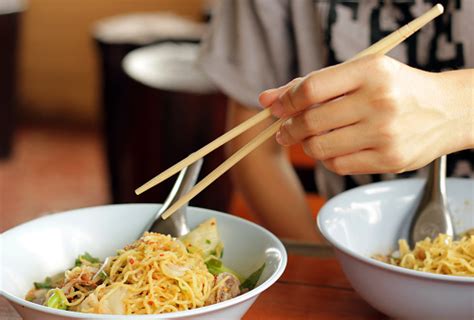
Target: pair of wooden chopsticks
381, 47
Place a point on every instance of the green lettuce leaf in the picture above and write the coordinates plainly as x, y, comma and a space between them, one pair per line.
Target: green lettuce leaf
251, 281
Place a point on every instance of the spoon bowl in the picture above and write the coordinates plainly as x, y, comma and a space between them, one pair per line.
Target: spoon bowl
177, 224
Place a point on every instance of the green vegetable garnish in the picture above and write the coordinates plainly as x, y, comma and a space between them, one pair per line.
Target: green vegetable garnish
252, 280
208, 241
102, 275
216, 254
86, 257
57, 300
47, 284
216, 267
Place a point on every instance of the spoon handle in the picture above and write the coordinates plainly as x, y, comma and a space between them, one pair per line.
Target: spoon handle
432, 215
436, 183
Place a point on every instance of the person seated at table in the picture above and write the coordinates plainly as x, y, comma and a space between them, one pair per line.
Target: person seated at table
376, 115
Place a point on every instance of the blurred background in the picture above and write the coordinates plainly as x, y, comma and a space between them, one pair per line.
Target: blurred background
97, 97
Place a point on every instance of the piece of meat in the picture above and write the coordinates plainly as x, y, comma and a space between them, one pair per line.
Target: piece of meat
83, 276
37, 296
228, 288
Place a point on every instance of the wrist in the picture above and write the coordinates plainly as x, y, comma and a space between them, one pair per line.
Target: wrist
457, 101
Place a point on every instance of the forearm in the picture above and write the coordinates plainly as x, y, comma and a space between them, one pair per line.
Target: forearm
268, 182
457, 96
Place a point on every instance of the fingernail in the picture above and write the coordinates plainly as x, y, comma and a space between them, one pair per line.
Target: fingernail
277, 108
261, 97
280, 138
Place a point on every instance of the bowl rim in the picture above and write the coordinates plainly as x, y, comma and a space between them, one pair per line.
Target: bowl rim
325, 212
254, 293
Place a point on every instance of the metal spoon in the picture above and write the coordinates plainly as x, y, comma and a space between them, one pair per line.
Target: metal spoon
432, 216
177, 224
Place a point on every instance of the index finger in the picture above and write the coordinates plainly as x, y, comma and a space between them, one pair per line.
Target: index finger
320, 86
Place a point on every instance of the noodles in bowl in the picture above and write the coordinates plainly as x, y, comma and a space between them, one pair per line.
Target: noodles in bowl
372, 219
155, 274
442, 255
49, 246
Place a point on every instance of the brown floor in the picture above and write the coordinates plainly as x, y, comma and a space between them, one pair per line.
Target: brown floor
56, 168
51, 169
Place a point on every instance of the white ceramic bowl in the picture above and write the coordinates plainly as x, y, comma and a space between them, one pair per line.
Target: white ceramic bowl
48, 245
369, 220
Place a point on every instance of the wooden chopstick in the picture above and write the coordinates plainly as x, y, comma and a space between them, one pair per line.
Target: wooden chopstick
193, 157
381, 47
224, 166
398, 36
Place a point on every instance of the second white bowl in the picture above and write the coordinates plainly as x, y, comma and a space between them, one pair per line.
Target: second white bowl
369, 220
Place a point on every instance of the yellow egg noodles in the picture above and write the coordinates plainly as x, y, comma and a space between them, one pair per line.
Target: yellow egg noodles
155, 274
442, 255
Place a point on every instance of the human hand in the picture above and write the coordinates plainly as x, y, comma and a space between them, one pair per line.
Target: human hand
375, 115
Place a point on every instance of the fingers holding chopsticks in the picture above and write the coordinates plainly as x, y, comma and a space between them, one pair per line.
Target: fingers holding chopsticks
374, 104
316, 88
315, 121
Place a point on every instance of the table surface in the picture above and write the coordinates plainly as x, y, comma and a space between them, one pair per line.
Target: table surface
312, 287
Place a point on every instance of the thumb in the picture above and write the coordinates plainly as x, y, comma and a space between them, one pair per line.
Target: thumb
268, 97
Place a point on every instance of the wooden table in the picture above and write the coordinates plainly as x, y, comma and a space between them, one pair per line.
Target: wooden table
312, 287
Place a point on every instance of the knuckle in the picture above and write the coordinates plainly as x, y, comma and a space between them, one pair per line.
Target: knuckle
288, 101
381, 64
307, 90
388, 133
308, 122
336, 166
386, 68
398, 171
395, 160
386, 100
286, 133
295, 81
339, 168
315, 148
390, 94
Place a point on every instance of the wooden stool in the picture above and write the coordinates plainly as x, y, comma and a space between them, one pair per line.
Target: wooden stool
173, 111
139, 142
